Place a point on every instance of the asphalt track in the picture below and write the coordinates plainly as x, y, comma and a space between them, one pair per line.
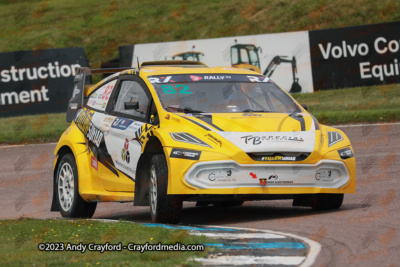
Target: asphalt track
364, 232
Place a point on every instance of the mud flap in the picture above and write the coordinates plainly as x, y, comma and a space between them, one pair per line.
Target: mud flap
54, 206
141, 197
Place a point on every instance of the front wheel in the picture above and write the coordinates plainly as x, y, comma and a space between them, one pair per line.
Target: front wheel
69, 202
326, 201
164, 208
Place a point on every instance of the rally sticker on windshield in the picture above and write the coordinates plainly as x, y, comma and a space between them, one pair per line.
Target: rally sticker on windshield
186, 78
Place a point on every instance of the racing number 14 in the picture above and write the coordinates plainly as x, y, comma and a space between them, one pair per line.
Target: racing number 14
169, 89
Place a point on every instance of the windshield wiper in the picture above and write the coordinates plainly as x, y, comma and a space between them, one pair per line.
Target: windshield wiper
250, 110
185, 109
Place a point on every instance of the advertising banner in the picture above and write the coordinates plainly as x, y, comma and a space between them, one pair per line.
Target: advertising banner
284, 57
39, 81
355, 56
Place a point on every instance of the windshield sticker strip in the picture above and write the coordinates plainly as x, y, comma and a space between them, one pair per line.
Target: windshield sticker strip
222, 77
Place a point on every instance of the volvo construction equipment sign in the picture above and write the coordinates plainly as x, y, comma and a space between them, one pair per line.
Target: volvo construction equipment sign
38, 81
355, 56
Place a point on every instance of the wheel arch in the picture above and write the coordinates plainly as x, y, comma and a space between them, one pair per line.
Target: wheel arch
153, 146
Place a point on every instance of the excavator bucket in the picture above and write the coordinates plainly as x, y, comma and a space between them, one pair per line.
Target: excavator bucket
296, 88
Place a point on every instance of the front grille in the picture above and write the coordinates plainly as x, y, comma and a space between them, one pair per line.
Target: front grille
277, 156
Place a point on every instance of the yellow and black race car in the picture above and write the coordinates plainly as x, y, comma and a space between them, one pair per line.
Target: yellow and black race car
174, 131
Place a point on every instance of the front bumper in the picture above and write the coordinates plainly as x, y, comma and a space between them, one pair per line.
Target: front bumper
230, 174
209, 175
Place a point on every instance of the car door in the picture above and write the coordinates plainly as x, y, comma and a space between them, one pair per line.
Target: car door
121, 138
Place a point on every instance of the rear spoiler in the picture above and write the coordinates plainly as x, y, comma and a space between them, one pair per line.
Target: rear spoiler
174, 63
76, 101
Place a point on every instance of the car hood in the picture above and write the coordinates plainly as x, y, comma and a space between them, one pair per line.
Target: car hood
263, 132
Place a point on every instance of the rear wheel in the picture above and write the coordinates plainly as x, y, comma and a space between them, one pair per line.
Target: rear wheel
69, 201
326, 201
164, 208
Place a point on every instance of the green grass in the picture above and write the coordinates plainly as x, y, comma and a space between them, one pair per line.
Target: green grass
352, 105
20, 238
102, 25
32, 128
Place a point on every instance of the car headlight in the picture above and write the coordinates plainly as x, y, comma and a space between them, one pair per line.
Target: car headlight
333, 138
188, 138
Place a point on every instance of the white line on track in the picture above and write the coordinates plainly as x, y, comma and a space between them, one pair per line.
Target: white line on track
250, 260
16, 146
314, 247
233, 235
364, 124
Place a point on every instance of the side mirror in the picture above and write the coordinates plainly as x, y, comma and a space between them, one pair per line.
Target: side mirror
131, 105
304, 106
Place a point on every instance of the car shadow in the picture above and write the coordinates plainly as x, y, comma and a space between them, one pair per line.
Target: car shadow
280, 210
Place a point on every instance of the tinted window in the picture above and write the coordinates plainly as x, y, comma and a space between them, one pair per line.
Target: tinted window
132, 91
220, 97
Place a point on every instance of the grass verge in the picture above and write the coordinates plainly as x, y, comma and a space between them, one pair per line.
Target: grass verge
100, 26
20, 239
352, 105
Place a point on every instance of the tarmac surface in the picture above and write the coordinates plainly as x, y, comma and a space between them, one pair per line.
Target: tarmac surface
363, 232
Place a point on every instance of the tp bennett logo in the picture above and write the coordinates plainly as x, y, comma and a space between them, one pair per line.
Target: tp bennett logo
195, 78
185, 154
125, 155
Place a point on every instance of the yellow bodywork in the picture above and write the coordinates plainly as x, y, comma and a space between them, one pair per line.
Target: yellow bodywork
247, 67
91, 188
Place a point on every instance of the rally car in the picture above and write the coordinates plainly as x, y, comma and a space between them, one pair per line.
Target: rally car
174, 131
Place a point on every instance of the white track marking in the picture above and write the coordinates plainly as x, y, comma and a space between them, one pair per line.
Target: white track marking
364, 124
16, 146
236, 236
248, 260
313, 247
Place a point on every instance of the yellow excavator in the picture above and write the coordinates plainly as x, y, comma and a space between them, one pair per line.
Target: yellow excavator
245, 56
190, 55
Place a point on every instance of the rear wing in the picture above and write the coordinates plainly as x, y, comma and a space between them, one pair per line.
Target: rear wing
78, 95
174, 63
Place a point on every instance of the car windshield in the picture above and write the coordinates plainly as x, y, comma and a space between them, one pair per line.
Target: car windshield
221, 93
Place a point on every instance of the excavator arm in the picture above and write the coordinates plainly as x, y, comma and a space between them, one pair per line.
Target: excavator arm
275, 62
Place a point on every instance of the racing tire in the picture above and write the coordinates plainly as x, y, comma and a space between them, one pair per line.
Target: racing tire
164, 208
326, 201
70, 203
